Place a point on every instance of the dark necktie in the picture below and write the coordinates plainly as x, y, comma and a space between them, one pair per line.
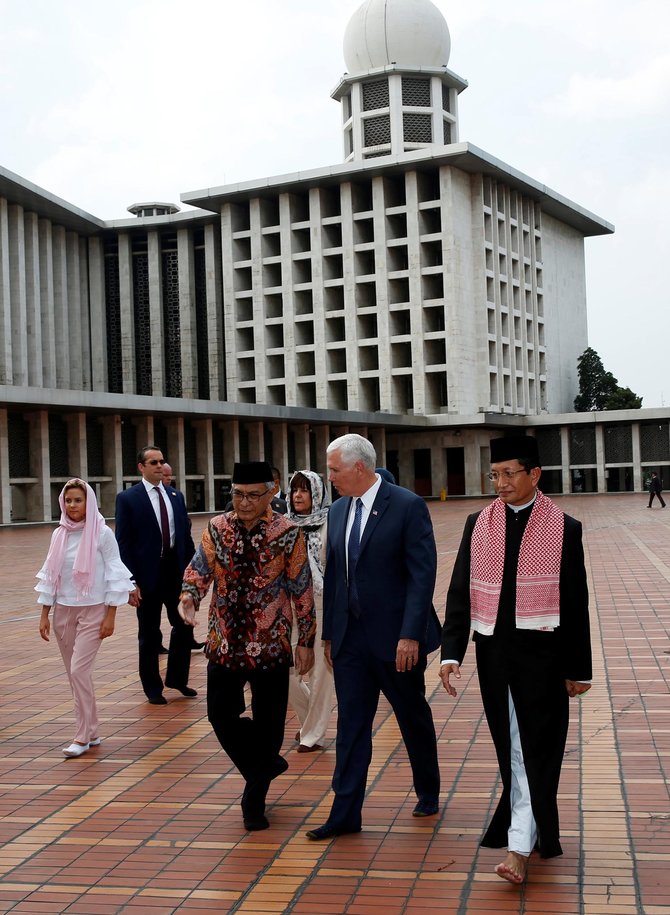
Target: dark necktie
165, 521
353, 549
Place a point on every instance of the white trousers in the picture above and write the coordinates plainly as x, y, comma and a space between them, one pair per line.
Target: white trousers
312, 696
77, 632
522, 833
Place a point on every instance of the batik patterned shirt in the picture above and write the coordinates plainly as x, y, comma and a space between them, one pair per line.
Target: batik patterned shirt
261, 578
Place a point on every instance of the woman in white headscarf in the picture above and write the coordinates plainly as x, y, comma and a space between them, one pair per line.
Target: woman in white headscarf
84, 580
312, 696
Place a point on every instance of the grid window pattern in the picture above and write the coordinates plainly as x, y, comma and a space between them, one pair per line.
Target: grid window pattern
654, 442
200, 285
417, 128
377, 130
172, 323
375, 95
618, 444
549, 445
416, 92
582, 445
142, 323
446, 98
446, 131
113, 318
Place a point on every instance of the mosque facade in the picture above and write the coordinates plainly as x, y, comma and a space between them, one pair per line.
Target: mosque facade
421, 292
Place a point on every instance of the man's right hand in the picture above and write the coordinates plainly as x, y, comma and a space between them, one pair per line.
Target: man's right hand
187, 610
445, 672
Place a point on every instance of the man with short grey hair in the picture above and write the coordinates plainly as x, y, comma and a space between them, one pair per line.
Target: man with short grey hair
378, 626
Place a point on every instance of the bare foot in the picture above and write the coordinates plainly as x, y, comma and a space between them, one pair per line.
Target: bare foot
514, 868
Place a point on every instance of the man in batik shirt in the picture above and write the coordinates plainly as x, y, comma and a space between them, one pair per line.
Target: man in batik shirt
257, 560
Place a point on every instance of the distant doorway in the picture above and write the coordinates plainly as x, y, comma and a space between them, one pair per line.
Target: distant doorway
423, 484
455, 471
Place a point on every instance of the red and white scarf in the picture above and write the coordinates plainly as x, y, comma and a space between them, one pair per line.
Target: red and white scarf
538, 571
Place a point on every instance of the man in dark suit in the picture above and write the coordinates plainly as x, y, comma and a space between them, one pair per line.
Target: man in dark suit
154, 535
379, 624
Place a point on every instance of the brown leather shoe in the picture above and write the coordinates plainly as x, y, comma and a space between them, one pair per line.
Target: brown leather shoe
303, 748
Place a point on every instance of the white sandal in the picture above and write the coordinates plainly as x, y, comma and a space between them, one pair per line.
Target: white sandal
75, 749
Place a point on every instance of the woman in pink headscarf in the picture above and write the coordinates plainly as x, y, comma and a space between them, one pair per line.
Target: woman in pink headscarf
84, 580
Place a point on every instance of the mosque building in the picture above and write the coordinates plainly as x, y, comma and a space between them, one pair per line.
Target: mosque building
422, 293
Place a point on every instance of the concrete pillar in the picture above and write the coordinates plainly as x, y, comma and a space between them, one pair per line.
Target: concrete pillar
113, 464
378, 438
280, 450
33, 309
98, 312
566, 476
62, 325
438, 468
323, 439
638, 485
5, 299
38, 494
47, 304
17, 285
156, 312
127, 315
76, 445
302, 456
256, 441
5, 488
187, 324
205, 459
176, 449
231, 443
600, 457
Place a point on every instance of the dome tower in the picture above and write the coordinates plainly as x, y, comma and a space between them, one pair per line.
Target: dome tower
398, 94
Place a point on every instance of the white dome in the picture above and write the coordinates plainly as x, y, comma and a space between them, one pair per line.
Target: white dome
408, 33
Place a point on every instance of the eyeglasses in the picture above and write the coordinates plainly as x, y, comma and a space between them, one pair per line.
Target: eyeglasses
155, 461
507, 475
249, 496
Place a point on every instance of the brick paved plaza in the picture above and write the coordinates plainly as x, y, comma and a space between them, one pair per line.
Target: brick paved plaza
150, 820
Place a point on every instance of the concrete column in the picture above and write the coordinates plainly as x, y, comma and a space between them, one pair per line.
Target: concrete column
189, 354
638, 485
17, 285
127, 315
256, 441
280, 450
566, 476
323, 439
406, 465
438, 468
76, 444
5, 299
62, 325
231, 443
302, 457
33, 308
98, 312
215, 333
156, 312
38, 494
205, 459
600, 457
47, 304
145, 430
378, 438
113, 464
176, 448
77, 329
5, 488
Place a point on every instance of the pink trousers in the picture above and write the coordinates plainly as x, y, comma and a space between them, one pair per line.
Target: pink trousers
77, 632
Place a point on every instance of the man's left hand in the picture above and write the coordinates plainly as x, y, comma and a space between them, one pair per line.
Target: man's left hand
575, 688
304, 660
407, 655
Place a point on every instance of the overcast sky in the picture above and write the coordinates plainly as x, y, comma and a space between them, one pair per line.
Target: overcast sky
107, 104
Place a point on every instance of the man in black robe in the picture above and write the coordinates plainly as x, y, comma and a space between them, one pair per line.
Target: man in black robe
519, 582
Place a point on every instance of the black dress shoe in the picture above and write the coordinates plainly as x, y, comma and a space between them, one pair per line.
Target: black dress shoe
426, 808
163, 650
279, 767
184, 690
197, 646
321, 833
255, 823
157, 700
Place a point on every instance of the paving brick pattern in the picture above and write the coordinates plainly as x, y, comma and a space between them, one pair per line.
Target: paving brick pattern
149, 822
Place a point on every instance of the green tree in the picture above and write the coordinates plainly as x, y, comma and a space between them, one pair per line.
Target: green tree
599, 389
